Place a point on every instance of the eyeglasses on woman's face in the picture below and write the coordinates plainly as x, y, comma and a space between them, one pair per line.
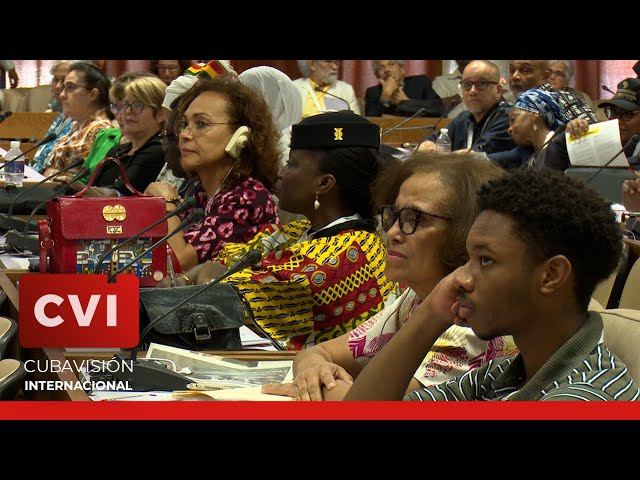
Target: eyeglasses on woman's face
168, 68
120, 107
619, 113
70, 87
408, 218
197, 127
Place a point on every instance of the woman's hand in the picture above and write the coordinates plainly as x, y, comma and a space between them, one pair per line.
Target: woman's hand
309, 383
209, 271
162, 189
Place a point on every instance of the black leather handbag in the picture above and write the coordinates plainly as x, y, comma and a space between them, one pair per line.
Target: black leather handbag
210, 321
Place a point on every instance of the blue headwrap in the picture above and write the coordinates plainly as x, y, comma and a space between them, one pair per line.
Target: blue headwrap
544, 103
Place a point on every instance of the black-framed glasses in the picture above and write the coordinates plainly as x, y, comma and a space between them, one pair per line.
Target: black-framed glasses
481, 85
120, 107
71, 87
556, 73
408, 218
165, 136
198, 127
624, 115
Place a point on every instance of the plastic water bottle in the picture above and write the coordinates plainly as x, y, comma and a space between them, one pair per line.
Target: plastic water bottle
14, 173
443, 142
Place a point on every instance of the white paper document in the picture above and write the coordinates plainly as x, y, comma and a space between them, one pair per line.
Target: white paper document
597, 147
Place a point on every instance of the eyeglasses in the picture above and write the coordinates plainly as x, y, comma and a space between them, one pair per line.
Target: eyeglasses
481, 85
70, 87
164, 139
556, 73
168, 68
408, 217
120, 107
198, 127
624, 115
336, 62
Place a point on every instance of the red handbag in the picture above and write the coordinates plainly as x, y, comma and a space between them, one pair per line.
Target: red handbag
80, 229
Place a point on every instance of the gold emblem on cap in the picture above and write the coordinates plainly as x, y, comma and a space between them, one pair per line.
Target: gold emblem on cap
625, 84
114, 212
337, 133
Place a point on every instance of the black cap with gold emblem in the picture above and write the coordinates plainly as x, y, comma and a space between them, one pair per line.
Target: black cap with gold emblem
335, 130
627, 95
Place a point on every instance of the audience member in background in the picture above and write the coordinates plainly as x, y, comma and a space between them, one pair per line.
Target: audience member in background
560, 75
483, 127
62, 124
531, 273
527, 74
321, 90
142, 157
169, 70
427, 217
282, 97
533, 120
399, 95
228, 142
84, 98
447, 86
625, 106
326, 274
111, 137
7, 67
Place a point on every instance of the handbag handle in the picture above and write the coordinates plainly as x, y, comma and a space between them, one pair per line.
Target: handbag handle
123, 175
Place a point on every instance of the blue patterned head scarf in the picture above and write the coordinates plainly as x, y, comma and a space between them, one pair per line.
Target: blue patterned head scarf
544, 103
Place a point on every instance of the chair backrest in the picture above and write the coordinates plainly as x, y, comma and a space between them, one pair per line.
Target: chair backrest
622, 337
8, 331
606, 181
12, 374
630, 296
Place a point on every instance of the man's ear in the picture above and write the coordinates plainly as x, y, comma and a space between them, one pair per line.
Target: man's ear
555, 274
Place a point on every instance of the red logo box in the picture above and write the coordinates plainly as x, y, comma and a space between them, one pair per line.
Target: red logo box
70, 310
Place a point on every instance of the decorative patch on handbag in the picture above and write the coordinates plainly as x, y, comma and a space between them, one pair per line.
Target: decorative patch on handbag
89, 252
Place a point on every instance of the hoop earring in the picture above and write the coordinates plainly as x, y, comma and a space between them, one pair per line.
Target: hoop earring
316, 203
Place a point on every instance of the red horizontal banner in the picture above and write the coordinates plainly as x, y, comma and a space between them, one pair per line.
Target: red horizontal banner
221, 410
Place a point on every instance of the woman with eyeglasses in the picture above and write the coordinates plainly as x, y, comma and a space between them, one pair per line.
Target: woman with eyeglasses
140, 117
324, 275
169, 70
428, 208
560, 74
624, 106
84, 98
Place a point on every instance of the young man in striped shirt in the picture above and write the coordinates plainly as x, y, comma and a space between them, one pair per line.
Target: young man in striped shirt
540, 245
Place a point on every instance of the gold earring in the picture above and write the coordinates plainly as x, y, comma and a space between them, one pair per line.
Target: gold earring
316, 203
534, 125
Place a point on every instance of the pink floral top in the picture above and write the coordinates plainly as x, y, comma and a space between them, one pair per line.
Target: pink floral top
235, 215
455, 352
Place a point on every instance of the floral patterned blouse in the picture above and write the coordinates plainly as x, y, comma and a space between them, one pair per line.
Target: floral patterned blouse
235, 215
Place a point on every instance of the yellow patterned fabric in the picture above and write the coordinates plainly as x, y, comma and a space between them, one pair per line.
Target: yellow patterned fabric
312, 290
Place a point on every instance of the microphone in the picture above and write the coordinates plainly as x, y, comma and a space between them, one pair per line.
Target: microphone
607, 89
418, 113
632, 139
24, 241
7, 222
4, 116
187, 204
47, 139
146, 376
556, 132
453, 104
195, 216
318, 89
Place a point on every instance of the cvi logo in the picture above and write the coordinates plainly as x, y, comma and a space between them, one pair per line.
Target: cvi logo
72, 310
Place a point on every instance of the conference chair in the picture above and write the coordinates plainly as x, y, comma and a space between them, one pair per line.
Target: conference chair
12, 374
8, 331
622, 337
606, 181
603, 291
630, 296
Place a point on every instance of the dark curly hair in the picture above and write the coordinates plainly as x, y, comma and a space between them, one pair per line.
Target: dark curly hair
245, 106
558, 215
462, 175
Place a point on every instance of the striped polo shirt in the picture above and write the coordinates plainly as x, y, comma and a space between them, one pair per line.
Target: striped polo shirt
581, 369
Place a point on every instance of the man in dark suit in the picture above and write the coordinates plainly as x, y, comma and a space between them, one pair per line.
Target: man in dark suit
399, 95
